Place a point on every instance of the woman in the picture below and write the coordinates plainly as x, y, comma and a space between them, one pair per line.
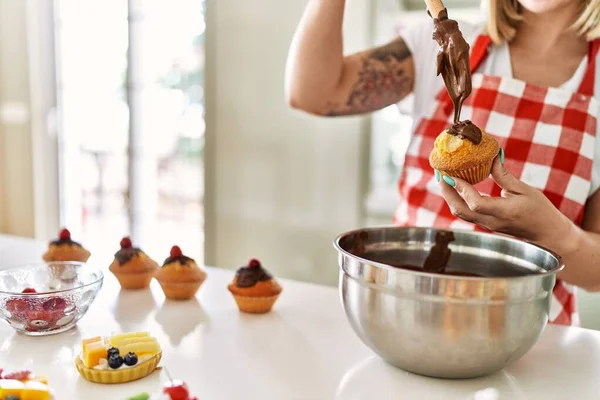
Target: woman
535, 75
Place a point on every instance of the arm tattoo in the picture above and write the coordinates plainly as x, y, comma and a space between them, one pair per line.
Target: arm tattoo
381, 81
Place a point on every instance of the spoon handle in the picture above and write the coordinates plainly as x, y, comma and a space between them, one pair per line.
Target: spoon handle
435, 7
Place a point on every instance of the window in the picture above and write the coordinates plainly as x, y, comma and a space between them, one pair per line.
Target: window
131, 111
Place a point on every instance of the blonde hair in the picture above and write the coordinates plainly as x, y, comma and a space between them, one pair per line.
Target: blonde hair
504, 17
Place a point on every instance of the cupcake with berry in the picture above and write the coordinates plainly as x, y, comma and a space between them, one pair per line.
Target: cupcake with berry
132, 267
254, 288
65, 249
180, 277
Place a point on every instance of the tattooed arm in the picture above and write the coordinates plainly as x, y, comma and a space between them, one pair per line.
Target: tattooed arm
320, 80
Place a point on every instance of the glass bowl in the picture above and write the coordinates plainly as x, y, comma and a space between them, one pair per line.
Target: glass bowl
63, 293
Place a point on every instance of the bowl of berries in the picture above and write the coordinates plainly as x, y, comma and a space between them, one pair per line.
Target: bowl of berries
48, 298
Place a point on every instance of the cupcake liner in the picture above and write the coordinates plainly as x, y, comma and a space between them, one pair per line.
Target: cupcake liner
180, 290
255, 305
472, 175
124, 375
134, 280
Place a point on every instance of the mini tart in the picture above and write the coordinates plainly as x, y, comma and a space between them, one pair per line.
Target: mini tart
125, 375
65, 249
254, 289
94, 361
132, 267
180, 277
461, 158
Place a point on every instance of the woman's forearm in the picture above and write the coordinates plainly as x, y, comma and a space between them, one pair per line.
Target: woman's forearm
316, 60
580, 251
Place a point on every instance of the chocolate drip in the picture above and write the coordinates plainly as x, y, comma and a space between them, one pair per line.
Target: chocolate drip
453, 60
125, 255
63, 242
249, 276
183, 260
466, 130
438, 257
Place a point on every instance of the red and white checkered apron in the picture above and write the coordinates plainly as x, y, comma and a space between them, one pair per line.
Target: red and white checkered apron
548, 136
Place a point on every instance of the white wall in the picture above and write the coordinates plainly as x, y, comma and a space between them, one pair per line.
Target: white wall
280, 185
28, 156
16, 162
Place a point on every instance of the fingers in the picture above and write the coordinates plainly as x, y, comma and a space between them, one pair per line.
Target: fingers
459, 206
473, 199
505, 179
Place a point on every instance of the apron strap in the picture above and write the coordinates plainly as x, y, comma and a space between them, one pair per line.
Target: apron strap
480, 51
589, 80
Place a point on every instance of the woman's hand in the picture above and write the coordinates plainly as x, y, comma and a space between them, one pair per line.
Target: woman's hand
521, 211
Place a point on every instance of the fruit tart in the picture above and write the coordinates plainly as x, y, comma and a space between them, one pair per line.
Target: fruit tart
132, 267
23, 385
120, 358
180, 277
254, 288
65, 249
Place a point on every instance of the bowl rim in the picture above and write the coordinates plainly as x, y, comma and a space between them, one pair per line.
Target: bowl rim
54, 292
553, 271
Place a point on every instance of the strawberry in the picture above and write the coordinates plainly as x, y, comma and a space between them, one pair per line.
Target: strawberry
18, 306
54, 304
177, 390
29, 291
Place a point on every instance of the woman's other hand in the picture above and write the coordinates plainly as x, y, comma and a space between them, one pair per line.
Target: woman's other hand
521, 211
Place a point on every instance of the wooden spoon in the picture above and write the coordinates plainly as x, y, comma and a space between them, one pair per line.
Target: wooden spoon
434, 7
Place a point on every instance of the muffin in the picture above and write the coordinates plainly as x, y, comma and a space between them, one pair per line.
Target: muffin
65, 249
132, 267
180, 277
464, 151
254, 289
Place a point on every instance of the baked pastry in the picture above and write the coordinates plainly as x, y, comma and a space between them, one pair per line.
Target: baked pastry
65, 249
118, 359
180, 277
132, 267
461, 153
24, 385
254, 288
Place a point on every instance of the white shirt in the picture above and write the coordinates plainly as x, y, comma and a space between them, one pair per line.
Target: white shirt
427, 85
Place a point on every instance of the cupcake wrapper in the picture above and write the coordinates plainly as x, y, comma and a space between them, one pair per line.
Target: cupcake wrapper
255, 305
180, 290
118, 376
472, 175
134, 280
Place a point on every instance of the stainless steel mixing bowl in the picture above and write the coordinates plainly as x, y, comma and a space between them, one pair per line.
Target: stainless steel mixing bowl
446, 326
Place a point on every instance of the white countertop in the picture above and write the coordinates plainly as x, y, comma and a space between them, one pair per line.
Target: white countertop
302, 350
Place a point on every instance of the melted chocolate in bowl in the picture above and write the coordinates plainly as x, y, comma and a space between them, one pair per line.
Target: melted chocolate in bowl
500, 268
439, 260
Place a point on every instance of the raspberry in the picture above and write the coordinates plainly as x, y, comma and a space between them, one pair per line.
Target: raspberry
126, 243
176, 252
64, 234
254, 263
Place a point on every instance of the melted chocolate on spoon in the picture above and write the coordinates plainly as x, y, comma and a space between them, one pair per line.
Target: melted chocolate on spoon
454, 65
